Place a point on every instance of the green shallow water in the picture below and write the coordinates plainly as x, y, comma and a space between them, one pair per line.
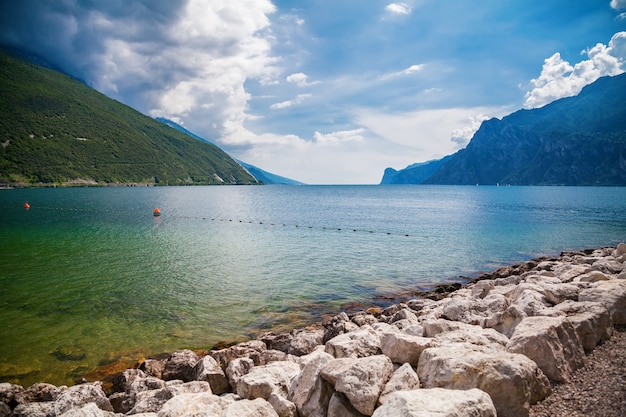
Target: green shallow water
89, 277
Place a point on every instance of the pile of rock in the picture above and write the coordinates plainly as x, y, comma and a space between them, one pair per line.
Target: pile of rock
490, 348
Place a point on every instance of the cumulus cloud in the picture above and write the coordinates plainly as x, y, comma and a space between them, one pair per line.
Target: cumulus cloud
398, 8
300, 79
560, 79
355, 135
618, 4
463, 135
186, 60
284, 104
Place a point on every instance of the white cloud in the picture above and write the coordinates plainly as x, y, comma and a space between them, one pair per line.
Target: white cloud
355, 135
618, 4
284, 104
428, 134
405, 72
300, 79
463, 135
560, 79
398, 8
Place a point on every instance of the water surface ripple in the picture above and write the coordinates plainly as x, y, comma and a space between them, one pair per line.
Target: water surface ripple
89, 276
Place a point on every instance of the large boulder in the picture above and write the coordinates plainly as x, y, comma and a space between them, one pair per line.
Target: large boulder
237, 368
364, 341
402, 347
251, 349
552, 343
337, 325
591, 321
79, 395
181, 366
437, 402
361, 380
612, 294
305, 341
309, 392
261, 381
38, 392
153, 400
513, 381
43, 409
339, 406
403, 379
193, 404
249, 408
87, 410
207, 369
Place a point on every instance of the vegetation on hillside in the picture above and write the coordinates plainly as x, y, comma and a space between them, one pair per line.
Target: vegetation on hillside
56, 130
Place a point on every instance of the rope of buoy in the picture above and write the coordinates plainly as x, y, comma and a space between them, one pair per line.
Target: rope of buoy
157, 213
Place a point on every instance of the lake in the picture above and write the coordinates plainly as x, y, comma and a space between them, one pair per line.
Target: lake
89, 277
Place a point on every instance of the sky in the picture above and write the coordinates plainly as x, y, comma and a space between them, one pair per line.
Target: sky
327, 91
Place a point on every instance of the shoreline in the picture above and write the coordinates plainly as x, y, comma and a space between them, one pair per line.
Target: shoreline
579, 296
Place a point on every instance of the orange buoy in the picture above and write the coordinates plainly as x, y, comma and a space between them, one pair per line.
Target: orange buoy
156, 212
26, 205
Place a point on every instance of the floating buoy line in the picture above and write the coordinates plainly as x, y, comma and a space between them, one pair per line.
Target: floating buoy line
157, 213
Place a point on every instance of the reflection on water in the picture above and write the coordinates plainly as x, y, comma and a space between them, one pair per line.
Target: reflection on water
90, 277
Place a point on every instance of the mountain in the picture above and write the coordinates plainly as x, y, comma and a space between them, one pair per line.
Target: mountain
578, 140
267, 177
56, 130
178, 127
415, 173
260, 175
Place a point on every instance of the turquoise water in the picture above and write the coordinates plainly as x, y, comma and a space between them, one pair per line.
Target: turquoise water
88, 276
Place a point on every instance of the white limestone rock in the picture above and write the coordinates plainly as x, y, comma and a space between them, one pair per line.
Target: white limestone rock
362, 342
237, 368
248, 408
403, 379
207, 369
612, 294
339, 406
308, 391
437, 402
193, 404
513, 381
361, 380
87, 410
592, 321
402, 347
608, 265
593, 276
552, 343
261, 381
79, 395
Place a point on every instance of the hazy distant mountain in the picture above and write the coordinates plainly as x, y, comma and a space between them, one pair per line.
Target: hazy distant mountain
415, 173
56, 130
577, 140
261, 175
267, 177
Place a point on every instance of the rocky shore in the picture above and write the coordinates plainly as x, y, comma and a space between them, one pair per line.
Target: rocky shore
517, 342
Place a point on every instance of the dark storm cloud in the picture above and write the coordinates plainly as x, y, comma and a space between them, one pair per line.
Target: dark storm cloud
72, 34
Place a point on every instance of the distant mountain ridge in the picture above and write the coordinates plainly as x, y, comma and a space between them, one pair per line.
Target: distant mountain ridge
578, 140
54, 130
261, 175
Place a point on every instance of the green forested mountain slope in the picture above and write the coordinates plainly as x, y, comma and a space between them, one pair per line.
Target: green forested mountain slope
56, 130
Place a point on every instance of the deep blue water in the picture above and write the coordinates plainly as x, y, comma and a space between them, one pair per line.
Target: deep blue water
89, 276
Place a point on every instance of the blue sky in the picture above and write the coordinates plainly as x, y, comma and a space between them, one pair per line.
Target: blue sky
327, 91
